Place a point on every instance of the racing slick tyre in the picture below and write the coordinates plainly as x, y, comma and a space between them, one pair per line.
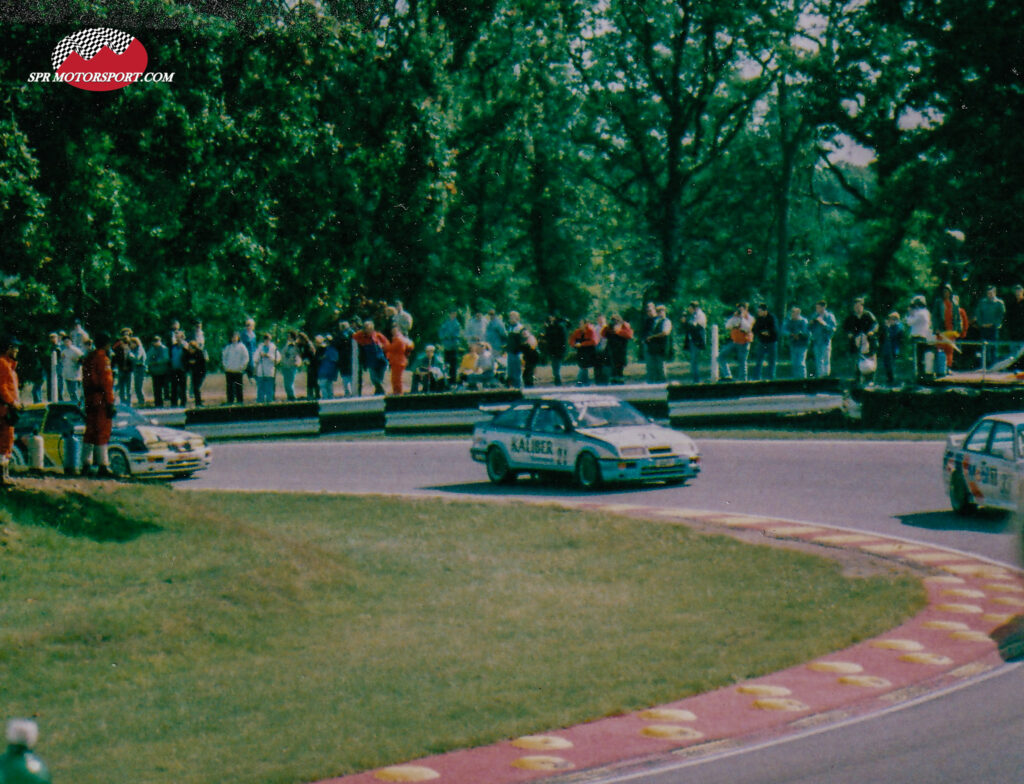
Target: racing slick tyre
588, 472
498, 469
960, 497
120, 466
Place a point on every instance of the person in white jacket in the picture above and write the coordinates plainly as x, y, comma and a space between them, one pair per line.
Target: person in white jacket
265, 360
234, 358
71, 368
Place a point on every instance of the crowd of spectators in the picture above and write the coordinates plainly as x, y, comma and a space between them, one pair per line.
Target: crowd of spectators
485, 349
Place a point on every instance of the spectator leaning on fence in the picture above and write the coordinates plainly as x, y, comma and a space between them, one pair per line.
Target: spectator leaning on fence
766, 343
947, 324
795, 330
740, 327
657, 342
695, 339
265, 360
234, 358
822, 327
989, 314
159, 361
373, 348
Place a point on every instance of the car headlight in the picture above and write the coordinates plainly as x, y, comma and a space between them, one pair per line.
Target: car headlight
633, 451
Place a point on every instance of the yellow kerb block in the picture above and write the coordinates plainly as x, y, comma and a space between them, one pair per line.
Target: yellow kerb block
404, 773
865, 681
763, 690
672, 732
840, 667
542, 743
933, 659
667, 714
542, 762
897, 645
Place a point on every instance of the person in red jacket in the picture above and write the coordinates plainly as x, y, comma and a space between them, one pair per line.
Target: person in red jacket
373, 348
584, 339
618, 333
398, 352
10, 402
98, 391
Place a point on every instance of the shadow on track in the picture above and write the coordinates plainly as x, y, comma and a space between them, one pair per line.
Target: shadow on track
984, 521
554, 487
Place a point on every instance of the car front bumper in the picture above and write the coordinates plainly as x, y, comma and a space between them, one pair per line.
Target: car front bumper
650, 469
170, 463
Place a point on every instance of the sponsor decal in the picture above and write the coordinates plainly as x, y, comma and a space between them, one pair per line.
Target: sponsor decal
532, 446
99, 59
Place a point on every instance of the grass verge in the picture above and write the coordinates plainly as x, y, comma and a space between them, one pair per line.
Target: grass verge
166, 636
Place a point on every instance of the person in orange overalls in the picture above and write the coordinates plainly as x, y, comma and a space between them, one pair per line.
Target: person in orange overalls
398, 352
98, 391
10, 402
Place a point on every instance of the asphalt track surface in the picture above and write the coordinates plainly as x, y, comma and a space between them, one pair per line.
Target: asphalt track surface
972, 731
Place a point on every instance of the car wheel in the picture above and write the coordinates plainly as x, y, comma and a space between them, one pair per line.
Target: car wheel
588, 472
960, 497
119, 464
498, 469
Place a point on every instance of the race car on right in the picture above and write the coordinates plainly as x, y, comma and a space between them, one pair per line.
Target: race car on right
985, 465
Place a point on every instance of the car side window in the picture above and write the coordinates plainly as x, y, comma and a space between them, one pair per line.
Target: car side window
1002, 441
516, 417
978, 439
548, 420
29, 421
63, 421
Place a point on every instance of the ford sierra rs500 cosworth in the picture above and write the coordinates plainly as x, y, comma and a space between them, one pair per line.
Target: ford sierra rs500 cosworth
985, 466
595, 438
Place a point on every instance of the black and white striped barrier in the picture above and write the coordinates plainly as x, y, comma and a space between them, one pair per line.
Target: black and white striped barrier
747, 401
458, 412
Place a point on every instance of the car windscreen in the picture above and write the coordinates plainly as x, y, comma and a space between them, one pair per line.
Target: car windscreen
601, 414
129, 417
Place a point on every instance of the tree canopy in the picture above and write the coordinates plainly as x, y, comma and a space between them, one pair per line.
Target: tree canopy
540, 155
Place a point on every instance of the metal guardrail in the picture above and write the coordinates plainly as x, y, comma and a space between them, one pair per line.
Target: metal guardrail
457, 412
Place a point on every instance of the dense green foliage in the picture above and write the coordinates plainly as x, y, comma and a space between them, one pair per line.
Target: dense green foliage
537, 154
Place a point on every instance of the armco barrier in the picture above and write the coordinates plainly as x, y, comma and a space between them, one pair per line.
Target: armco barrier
248, 421
755, 401
455, 412
931, 408
352, 414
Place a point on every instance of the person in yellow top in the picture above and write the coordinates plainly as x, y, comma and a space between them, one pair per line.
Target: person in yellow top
10, 403
468, 364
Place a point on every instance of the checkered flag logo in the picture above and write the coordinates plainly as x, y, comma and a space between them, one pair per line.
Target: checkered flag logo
89, 42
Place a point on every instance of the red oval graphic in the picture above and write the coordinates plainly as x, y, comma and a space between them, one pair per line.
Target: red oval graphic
100, 59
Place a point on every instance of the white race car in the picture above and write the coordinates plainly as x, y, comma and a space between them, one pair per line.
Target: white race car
596, 438
984, 467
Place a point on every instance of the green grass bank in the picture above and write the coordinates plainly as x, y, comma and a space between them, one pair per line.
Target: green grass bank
186, 637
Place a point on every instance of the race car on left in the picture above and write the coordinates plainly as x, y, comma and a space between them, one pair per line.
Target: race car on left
138, 446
